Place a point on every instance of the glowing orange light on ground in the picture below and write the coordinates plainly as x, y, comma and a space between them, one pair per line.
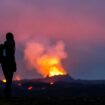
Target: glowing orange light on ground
51, 83
30, 88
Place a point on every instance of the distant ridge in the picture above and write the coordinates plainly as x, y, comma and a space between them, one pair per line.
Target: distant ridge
60, 78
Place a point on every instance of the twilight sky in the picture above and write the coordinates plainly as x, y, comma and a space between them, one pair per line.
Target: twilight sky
80, 24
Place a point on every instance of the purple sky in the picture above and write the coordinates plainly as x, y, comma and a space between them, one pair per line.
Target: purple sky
79, 23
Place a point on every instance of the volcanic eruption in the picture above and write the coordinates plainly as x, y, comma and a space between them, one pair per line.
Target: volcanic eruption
46, 59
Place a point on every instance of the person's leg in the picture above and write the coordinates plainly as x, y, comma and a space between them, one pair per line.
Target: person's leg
8, 85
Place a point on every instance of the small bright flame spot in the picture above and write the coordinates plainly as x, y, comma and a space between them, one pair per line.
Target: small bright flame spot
51, 83
30, 88
4, 81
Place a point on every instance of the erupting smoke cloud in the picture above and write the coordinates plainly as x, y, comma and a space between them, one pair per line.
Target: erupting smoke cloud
46, 59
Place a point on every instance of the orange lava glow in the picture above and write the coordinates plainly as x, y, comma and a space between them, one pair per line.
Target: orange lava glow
17, 77
51, 66
30, 88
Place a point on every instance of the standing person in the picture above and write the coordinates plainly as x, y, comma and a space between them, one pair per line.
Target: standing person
8, 63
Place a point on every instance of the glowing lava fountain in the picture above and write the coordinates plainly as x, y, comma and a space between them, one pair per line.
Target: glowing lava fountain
46, 59
51, 66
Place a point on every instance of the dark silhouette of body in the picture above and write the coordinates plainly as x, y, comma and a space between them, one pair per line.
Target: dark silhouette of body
8, 62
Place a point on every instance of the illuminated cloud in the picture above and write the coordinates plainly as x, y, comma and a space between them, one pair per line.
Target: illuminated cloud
80, 24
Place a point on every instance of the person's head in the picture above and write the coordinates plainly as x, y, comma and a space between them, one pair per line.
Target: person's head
9, 36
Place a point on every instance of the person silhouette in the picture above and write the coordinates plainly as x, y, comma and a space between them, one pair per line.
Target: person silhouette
8, 62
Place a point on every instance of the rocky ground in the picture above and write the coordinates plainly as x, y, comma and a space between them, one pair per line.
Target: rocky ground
53, 101
58, 93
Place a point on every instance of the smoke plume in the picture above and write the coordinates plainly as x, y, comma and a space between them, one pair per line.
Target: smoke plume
45, 58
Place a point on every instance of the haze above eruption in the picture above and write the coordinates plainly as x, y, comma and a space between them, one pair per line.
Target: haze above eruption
46, 58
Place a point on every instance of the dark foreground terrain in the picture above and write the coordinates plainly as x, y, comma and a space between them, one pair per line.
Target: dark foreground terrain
72, 92
53, 101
